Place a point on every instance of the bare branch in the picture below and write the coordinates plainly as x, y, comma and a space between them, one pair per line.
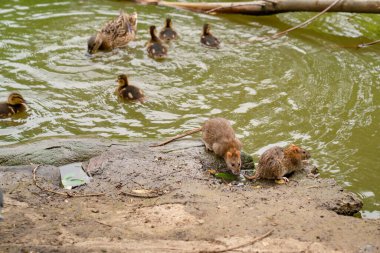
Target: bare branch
239, 246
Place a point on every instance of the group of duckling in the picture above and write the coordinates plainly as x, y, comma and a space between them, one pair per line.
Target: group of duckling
117, 33
157, 50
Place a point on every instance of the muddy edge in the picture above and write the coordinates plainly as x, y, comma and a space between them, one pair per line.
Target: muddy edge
182, 208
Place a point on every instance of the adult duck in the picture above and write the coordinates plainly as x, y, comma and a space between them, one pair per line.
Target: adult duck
116, 33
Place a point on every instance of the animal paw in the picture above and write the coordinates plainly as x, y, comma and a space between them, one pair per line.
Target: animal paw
283, 180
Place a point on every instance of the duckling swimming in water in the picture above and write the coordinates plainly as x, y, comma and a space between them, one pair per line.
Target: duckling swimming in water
168, 33
208, 39
116, 33
15, 104
155, 48
126, 91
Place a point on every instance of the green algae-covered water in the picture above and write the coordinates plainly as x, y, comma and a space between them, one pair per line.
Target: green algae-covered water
311, 88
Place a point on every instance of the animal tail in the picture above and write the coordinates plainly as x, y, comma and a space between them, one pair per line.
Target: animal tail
124, 19
178, 137
253, 177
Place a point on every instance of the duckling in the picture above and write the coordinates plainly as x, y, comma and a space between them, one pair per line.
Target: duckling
116, 33
15, 104
168, 33
208, 39
155, 48
126, 91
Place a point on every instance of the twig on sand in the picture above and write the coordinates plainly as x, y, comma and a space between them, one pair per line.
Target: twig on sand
313, 186
147, 194
368, 44
239, 246
66, 194
277, 35
104, 224
136, 195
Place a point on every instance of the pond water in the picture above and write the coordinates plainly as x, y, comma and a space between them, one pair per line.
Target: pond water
312, 87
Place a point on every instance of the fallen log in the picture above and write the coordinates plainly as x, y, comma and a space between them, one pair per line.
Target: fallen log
267, 7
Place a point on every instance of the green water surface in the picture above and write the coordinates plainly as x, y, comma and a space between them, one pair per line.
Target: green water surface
312, 87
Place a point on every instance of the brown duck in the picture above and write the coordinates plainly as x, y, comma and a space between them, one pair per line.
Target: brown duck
127, 91
155, 48
277, 162
168, 33
14, 105
208, 39
116, 33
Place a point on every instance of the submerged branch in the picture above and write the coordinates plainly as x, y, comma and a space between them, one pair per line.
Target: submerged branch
303, 24
368, 44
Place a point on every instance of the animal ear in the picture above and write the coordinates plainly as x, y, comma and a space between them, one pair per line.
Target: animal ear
237, 152
229, 154
294, 147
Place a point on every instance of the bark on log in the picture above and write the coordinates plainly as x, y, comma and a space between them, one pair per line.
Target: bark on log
266, 7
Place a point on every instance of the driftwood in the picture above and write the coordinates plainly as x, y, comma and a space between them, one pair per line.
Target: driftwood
303, 24
266, 7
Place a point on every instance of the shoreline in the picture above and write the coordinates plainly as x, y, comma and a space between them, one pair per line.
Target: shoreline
190, 210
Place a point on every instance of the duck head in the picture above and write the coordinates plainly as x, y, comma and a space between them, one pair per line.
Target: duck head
16, 99
168, 23
153, 35
206, 29
122, 80
93, 44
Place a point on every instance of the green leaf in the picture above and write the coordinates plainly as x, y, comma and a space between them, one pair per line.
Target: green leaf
226, 176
